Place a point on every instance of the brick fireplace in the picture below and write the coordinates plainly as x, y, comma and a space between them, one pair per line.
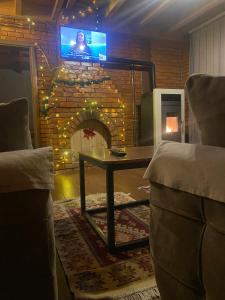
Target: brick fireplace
98, 106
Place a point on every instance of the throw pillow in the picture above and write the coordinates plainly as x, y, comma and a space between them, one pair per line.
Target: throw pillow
206, 95
14, 126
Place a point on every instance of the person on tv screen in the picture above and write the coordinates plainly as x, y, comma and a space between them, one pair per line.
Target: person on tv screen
81, 47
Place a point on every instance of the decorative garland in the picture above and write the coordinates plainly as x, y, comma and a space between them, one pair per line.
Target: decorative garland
81, 82
44, 104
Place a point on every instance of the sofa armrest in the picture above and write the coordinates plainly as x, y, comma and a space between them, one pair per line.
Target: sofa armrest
193, 168
26, 170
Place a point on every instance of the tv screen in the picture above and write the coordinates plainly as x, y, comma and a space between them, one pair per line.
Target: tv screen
79, 44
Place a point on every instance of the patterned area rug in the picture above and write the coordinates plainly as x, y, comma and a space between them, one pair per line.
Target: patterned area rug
92, 272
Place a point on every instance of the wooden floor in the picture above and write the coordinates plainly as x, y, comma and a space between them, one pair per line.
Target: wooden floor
128, 181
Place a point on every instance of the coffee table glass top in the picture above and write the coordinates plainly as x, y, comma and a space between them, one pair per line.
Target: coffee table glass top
142, 153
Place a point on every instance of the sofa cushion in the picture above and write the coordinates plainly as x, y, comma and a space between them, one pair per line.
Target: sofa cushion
192, 168
14, 126
26, 170
206, 95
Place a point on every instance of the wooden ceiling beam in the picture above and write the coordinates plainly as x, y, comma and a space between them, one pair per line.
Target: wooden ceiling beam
197, 14
113, 6
56, 9
157, 11
18, 7
71, 3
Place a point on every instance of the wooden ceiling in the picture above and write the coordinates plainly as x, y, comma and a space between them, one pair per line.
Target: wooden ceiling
149, 18
163, 18
26, 7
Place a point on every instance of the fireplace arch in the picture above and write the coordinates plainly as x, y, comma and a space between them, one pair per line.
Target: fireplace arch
89, 134
110, 130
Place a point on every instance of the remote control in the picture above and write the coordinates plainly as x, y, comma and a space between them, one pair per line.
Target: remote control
118, 152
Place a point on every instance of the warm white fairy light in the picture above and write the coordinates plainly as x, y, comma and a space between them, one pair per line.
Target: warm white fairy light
82, 13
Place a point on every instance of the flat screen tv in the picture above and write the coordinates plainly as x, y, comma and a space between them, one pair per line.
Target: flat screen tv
84, 45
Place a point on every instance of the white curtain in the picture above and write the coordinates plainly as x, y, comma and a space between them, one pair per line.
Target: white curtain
207, 56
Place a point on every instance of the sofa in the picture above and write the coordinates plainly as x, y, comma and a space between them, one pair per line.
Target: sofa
187, 230
27, 251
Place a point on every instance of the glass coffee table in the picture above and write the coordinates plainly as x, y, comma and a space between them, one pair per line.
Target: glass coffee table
136, 157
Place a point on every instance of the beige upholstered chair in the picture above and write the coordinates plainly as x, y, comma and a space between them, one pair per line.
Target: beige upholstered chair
27, 250
187, 231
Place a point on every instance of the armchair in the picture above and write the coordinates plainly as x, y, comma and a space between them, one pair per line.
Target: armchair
187, 230
27, 251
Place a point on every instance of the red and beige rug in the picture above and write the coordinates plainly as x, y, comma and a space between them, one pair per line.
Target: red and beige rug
92, 272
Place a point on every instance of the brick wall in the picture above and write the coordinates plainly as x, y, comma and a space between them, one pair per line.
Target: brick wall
128, 46
170, 58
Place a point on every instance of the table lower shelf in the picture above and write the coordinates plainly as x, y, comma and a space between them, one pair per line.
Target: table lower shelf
130, 222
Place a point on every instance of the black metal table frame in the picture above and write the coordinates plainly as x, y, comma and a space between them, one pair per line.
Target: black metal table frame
110, 168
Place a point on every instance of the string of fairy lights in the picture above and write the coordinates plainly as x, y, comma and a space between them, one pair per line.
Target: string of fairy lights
64, 76
91, 109
89, 8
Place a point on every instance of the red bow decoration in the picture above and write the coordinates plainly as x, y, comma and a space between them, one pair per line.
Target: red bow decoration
89, 133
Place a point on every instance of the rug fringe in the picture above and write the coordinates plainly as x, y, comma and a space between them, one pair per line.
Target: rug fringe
148, 294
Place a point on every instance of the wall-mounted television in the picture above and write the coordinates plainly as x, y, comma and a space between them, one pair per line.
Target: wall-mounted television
83, 45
